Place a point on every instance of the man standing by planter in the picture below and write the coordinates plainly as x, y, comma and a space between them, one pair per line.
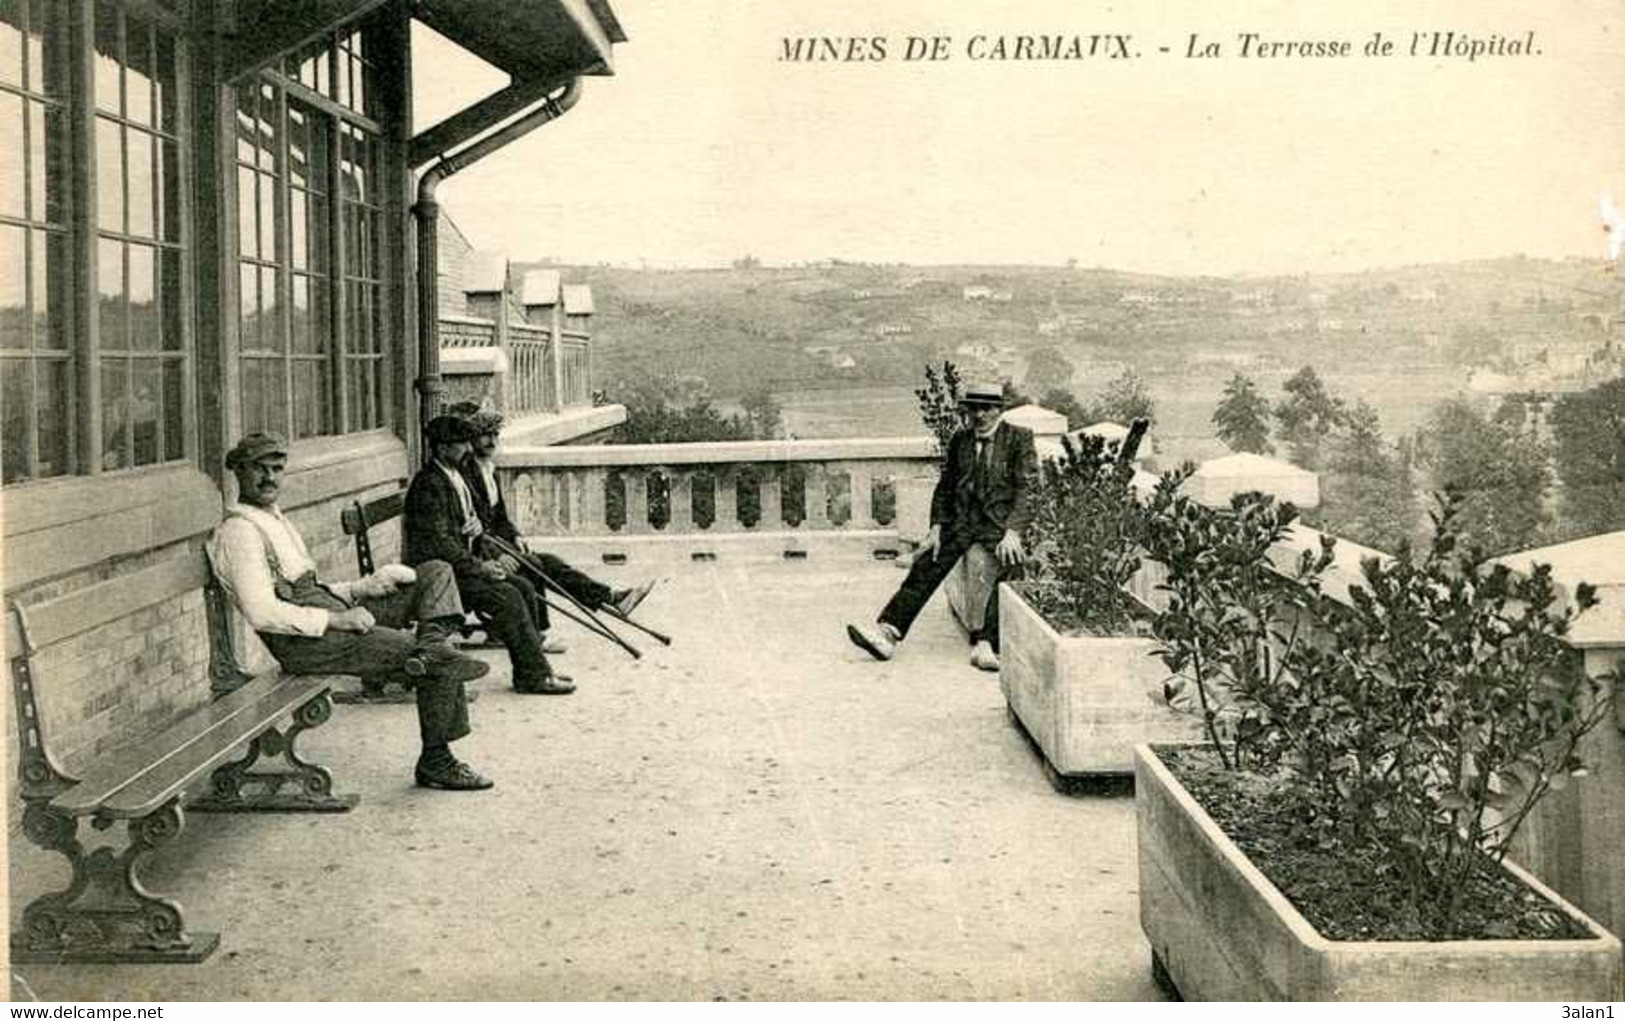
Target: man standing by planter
983, 497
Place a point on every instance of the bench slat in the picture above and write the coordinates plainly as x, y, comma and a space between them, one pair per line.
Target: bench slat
374, 512
138, 780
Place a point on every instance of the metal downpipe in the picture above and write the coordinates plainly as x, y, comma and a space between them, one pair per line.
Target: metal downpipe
426, 211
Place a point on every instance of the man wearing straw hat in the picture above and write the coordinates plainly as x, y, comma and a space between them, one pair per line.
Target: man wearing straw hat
983, 497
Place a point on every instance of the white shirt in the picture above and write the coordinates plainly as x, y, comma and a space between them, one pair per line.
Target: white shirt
471, 520
488, 472
237, 550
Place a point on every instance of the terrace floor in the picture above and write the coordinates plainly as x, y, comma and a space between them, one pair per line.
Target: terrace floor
758, 812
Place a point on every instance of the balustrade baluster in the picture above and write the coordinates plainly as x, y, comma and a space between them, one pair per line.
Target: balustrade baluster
681, 495
772, 500
727, 500
816, 479
637, 499
861, 496
593, 519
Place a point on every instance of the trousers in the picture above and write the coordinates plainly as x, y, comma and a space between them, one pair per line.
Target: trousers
583, 589
383, 651
516, 616
927, 573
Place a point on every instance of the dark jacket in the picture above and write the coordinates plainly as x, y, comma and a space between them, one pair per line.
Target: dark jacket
494, 516
434, 523
983, 502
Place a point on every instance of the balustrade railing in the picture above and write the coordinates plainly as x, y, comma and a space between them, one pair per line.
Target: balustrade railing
718, 488
530, 374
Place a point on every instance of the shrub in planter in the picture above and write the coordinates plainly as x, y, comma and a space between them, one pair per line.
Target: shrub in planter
1077, 666
1374, 758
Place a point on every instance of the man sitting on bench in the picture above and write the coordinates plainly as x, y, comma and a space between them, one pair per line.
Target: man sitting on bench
480, 471
356, 627
441, 524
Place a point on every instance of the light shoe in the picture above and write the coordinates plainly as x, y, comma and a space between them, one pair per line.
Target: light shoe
879, 641
553, 646
627, 600
982, 657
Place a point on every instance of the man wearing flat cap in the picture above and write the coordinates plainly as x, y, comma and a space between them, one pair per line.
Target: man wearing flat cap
983, 497
480, 472
442, 524
360, 627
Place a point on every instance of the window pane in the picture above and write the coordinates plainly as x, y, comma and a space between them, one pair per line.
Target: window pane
144, 408
54, 410
107, 57
299, 316
271, 311
168, 82
247, 125
16, 401
115, 413
13, 156
298, 146
267, 201
321, 323
252, 383
248, 302
311, 399
247, 224
269, 132
174, 409
11, 55
169, 193
299, 238
320, 234
142, 183
170, 300
143, 312
109, 176
13, 288
110, 286
138, 71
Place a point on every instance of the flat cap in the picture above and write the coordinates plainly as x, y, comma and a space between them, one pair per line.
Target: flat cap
255, 447
982, 393
449, 429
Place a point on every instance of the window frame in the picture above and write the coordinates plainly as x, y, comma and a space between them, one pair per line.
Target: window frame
75, 64
334, 119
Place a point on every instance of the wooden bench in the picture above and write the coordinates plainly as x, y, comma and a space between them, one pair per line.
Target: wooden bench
105, 914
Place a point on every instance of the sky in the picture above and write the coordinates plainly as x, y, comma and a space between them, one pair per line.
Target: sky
705, 146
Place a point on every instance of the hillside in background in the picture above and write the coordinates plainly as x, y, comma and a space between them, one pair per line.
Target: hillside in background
1401, 337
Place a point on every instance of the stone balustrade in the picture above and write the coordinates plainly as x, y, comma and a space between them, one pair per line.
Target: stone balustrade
701, 498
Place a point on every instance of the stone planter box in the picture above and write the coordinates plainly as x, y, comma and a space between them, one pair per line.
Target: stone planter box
1219, 930
1085, 701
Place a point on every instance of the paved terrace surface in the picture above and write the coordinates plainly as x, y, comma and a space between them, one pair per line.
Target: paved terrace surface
759, 812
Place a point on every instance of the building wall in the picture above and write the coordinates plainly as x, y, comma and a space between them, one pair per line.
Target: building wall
125, 677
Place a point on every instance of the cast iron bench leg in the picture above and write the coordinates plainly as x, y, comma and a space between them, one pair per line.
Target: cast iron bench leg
300, 786
105, 914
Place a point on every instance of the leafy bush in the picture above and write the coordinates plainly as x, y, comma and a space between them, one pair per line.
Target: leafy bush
939, 404
1417, 725
1088, 527
1229, 614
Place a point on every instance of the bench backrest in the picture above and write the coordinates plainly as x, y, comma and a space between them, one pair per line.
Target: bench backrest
359, 517
43, 626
